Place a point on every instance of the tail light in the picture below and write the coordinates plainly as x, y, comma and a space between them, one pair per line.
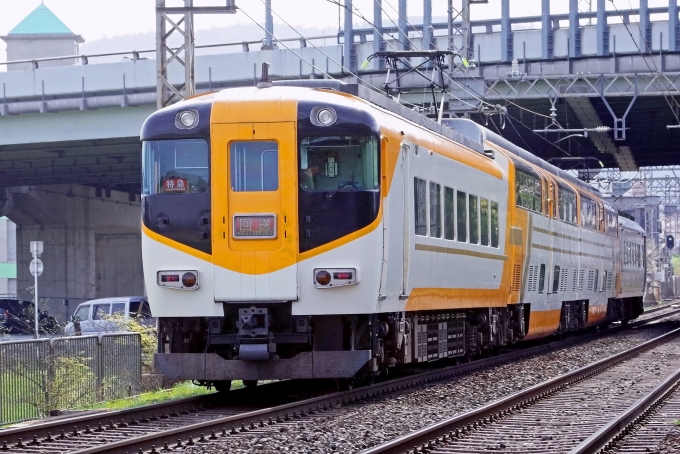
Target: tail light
180, 279
334, 277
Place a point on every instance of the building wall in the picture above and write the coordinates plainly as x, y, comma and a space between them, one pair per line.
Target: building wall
119, 265
49, 46
8, 257
92, 244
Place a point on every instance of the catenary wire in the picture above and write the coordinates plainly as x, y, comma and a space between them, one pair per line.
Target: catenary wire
452, 63
644, 58
474, 93
328, 56
287, 48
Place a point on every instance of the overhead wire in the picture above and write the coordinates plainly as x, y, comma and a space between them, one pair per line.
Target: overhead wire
355, 11
644, 58
452, 63
360, 15
474, 93
325, 54
286, 47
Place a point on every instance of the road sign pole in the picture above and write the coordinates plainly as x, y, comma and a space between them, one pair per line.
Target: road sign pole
37, 335
36, 270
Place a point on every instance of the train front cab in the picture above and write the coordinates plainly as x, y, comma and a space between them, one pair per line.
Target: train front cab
287, 181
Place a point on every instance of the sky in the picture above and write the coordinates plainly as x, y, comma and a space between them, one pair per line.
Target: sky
97, 19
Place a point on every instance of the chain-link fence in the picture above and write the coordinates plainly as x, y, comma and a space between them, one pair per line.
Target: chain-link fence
37, 376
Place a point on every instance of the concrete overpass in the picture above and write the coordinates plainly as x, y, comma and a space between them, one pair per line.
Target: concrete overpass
70, 162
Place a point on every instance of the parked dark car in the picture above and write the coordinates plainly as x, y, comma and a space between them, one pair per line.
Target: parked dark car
16, 317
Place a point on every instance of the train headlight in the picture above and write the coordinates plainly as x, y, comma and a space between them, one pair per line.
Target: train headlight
334, 277
323, 277
180, 280
186, 119
323, 116
189, 279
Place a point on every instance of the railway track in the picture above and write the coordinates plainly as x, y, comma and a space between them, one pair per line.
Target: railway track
581, 412
200, 420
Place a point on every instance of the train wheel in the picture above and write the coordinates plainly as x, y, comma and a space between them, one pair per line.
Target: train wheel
250, 383
222, 386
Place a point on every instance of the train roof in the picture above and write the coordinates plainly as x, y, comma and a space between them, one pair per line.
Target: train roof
464, 131
631, 225
386, 103
479, 133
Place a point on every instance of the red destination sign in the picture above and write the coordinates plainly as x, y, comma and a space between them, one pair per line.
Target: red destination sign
174, 184
256, 226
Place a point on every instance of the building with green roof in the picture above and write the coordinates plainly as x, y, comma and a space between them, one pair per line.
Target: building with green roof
41, 34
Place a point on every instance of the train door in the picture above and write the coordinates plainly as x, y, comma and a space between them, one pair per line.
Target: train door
395, 227
255, 235
550, 197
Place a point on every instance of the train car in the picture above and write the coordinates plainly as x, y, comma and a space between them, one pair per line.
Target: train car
312, 229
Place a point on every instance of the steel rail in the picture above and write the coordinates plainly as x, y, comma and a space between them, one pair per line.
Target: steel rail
618, 426
430, 435
660, 308
11, 436
218, 428
54, 426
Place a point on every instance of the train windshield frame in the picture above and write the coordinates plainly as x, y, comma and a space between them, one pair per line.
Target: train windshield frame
339, 163
179, 166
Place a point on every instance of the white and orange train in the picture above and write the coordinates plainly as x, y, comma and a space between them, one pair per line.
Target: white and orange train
312, 229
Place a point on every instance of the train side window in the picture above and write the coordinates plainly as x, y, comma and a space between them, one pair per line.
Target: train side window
474, 219
461, 215
448, 214
642, 255
566, 204
420, 205
541, 279
528, 191
603, 287
484, 221
588, 214
435, 210
556, 279
639, 255
611, 222
494, 224
595, 286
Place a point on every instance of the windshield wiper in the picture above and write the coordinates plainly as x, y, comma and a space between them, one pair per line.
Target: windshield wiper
349, 182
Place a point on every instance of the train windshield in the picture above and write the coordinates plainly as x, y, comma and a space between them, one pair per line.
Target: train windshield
175, 166
337, 163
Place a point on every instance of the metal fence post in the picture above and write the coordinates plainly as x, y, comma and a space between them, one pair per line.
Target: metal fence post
100, 369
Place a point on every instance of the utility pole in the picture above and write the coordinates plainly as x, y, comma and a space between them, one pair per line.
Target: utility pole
171, 21
459, 26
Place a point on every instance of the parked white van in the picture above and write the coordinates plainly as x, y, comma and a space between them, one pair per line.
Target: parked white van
92, 315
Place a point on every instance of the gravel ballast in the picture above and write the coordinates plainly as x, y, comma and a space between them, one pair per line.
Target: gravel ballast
351, 428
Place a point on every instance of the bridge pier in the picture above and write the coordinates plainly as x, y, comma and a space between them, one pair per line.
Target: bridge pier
92, 244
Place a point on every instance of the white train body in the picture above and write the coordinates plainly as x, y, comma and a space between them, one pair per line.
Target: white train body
276, 246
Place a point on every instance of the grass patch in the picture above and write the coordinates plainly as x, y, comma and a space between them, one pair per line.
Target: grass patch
179, 391
675, 261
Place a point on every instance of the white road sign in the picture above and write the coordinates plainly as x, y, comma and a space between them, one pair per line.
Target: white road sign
36, 267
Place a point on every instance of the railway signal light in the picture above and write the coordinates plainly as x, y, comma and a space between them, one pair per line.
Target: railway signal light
670, 241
